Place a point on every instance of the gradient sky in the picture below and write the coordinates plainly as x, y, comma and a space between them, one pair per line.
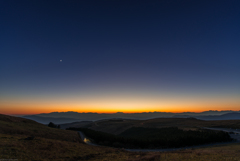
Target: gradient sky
119, 55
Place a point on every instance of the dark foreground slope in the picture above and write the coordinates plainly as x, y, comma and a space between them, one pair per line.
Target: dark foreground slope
47, 143
20, 126
56, 144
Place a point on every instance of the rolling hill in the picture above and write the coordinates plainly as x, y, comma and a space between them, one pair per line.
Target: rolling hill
25, 140
20, 126
227, 116
56, 144
117, 126
46, 120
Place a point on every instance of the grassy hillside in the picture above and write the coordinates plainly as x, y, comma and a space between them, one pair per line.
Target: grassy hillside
216, 153
48, 144
15, 147
55, 144
117, 127
189, 122
20, 126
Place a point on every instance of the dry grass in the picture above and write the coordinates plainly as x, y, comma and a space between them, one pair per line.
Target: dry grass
48, 144
20, 126
217, 153
15, 147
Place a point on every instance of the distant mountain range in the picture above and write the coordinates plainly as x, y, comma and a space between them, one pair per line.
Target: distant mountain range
46, 120
69, 117
228, 116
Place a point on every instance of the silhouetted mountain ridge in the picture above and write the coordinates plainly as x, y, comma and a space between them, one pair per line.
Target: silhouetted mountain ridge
46, 120
68, 117
228, 116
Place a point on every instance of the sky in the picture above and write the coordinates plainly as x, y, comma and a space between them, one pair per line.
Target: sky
111, 56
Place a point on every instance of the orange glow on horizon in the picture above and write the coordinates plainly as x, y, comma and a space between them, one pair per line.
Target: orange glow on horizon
33, 111
26, 106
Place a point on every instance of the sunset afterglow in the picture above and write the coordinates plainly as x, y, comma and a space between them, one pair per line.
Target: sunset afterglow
112, 104
117, 56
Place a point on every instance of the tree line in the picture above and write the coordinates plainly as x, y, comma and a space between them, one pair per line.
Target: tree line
51, 124
142, 138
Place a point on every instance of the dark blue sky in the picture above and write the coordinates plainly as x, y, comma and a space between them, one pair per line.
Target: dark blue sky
168, 46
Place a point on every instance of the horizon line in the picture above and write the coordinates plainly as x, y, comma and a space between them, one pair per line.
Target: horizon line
127, 112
